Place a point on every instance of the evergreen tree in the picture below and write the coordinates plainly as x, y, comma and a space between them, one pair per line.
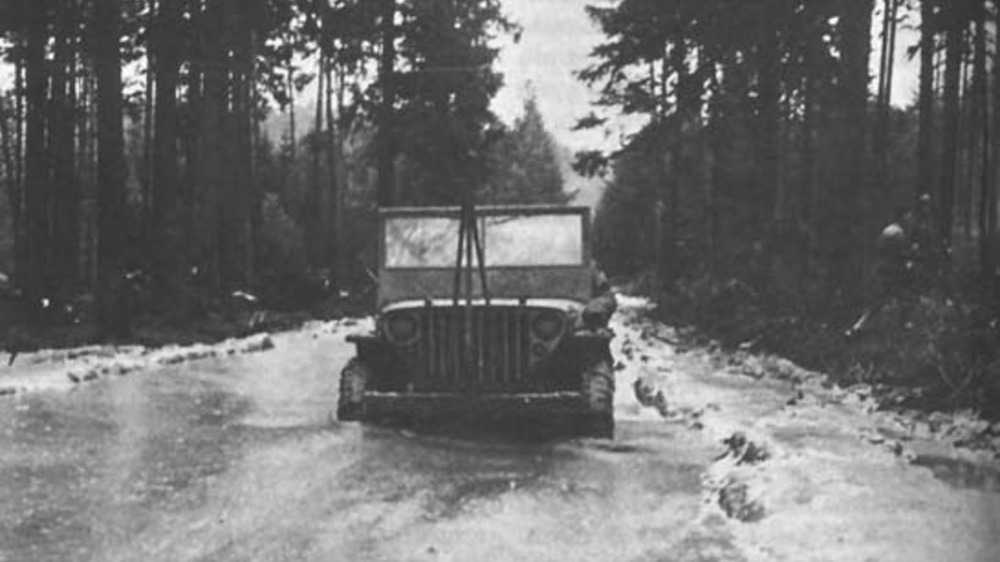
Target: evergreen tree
526, 163
445, 83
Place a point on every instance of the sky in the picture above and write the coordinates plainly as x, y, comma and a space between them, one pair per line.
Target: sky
556, 41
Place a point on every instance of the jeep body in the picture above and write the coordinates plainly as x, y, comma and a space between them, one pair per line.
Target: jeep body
531, 342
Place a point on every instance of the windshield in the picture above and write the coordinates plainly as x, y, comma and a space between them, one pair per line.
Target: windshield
508, 240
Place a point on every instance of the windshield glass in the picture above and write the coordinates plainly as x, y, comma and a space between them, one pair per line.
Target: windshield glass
508, 240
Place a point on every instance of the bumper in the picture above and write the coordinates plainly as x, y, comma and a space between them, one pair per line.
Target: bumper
431, 405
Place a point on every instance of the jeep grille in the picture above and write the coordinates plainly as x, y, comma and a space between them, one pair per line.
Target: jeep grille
501, 349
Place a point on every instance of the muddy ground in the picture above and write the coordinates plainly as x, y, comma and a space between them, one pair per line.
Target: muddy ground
229, 452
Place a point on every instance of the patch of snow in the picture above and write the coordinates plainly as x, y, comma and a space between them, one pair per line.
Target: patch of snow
837, 482
63, 369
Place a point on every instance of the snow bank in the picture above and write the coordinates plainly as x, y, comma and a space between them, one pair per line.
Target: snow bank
54, 370
809, 471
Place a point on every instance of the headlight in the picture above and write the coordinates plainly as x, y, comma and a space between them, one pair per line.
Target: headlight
548, 325
402, 328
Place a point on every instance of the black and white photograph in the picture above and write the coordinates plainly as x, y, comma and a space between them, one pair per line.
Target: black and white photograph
500, 280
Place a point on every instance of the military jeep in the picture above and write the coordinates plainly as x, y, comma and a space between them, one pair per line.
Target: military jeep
522, 333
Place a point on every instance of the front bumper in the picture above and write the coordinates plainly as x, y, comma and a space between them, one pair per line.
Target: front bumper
376, 405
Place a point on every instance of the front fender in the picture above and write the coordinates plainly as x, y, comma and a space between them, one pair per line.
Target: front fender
376, 354
591, 345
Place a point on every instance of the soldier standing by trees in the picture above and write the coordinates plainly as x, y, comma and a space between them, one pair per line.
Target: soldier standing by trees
907, 261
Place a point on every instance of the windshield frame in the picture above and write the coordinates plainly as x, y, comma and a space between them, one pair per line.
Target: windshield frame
481, 212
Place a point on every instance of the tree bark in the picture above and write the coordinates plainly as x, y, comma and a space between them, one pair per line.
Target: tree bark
990, 247
982, 104
772, 197
333, 208
63, 182
211, 145
884, 103
387, 83
292, 135
10, 176
243, 184
35, 280
925, 144
113, 310
314, 211
167, 250
12, 125
847, 242
949, 165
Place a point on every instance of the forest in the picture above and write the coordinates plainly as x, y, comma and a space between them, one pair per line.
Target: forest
159, 157
773, 176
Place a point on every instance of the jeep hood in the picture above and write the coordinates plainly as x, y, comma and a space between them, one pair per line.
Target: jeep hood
568, 283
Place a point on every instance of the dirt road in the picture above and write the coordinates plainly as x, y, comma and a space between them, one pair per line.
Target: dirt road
234, 456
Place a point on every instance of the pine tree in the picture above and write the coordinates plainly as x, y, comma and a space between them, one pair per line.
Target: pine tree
526, 163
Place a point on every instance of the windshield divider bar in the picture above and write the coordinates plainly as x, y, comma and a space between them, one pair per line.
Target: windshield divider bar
457, 288
480, 258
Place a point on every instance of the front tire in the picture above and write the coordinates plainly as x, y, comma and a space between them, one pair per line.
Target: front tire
353, 380
599, 392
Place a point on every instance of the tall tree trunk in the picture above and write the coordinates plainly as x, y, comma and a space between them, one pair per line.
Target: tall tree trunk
847, 240
34, 280
314, 210
990, 247
8, 147
254, 204
811, 127
226, 213
771, 199
149, 99
884, 103
387, 83
967, 147
168, 251
243, 184
234, 197
292, 135
289, 176
111, 298
11, 132
191, 189
333, 208
62, 156
949, 164
211, 151
809, 152
925, 146
982, 104
19, 117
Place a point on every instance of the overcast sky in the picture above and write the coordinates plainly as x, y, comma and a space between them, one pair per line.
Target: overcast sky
556, 41
557, 38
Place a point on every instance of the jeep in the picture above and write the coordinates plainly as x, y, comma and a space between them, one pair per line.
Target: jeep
519, 331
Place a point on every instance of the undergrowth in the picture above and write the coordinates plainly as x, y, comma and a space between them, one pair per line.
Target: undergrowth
930, 351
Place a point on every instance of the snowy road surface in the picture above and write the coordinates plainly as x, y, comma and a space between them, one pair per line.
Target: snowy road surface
233, 456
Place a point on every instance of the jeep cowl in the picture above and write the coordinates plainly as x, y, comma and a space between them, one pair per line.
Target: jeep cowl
517, 328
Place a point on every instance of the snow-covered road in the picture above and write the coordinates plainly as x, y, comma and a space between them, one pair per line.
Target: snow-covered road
228, 452
836, 479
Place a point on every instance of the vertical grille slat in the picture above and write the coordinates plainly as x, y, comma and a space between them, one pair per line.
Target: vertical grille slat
518, 349
505, 346
481, 343
427, 340
455, 342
